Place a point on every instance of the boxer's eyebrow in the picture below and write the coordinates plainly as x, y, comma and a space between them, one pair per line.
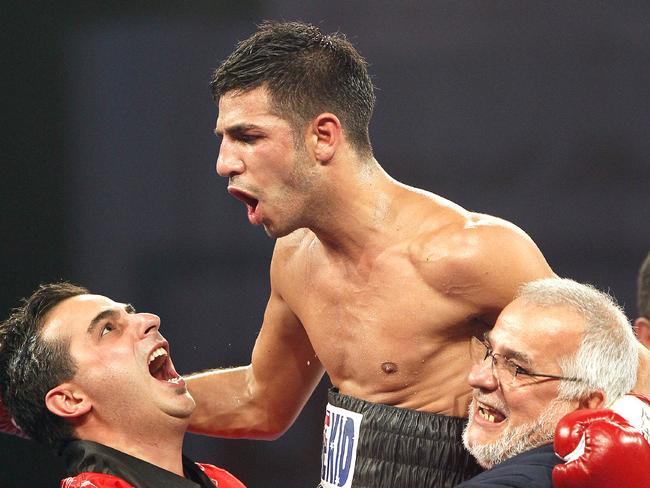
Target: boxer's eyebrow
236, 129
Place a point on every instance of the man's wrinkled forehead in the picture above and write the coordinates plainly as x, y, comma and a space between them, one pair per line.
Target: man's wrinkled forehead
530, 329
74, 315
512, 319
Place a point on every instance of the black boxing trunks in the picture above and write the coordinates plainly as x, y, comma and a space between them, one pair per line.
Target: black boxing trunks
369, 445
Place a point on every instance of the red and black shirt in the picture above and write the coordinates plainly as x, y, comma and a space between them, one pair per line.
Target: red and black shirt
93, 465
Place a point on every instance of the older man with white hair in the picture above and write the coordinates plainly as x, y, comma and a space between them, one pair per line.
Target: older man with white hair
559, 347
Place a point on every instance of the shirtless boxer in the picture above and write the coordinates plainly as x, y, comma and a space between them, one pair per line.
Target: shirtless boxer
376, 283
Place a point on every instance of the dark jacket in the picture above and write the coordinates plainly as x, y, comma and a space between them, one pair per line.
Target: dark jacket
530, 469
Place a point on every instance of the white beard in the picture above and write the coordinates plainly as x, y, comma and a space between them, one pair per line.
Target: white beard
516, 440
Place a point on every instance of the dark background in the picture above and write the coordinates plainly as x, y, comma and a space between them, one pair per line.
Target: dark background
537, 112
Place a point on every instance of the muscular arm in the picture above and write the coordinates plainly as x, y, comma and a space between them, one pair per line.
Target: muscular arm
507, 258
486, 260
261, 400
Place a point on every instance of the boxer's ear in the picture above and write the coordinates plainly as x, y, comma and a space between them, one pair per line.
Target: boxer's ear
68, 401
642, 331
596, 399
327, 135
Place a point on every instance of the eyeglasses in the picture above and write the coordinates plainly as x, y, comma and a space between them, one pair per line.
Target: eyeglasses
503, 368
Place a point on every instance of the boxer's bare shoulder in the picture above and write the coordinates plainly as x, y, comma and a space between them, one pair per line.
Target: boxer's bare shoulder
478, 257
460, 253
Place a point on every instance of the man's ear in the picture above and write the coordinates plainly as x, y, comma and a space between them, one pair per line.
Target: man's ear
68, 401
326, 132
596, 399
642, 331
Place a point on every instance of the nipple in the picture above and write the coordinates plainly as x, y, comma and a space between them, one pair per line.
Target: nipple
388, 367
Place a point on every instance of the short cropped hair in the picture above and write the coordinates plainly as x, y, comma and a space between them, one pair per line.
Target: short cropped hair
30, 366
306, 73
607, 356
643, 289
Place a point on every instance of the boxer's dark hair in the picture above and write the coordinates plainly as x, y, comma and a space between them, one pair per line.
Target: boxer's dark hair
643, 289
306, 73
30, 366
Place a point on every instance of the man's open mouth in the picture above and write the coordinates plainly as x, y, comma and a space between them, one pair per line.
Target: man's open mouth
254, 216
244, 197
490, 414
161, 368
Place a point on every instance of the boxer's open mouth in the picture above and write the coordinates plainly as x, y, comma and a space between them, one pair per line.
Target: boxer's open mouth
254, 216
244, 197
490, 414
160, 366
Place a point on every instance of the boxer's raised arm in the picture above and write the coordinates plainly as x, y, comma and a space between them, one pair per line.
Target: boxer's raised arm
261, 400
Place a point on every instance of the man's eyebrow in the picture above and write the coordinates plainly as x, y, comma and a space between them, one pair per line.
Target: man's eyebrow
236, 129
112, 313
510, 354
522, 357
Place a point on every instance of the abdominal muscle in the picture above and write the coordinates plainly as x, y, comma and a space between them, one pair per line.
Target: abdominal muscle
430, 379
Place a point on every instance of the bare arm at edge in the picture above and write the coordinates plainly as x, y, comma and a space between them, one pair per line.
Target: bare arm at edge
261, 400
643, 372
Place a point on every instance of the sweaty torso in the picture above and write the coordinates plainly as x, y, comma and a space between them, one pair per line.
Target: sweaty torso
393, 326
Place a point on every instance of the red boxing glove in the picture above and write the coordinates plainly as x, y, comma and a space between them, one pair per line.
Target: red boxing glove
601, 450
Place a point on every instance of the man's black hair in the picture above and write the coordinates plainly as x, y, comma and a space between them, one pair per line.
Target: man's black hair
30, 366
306, 73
